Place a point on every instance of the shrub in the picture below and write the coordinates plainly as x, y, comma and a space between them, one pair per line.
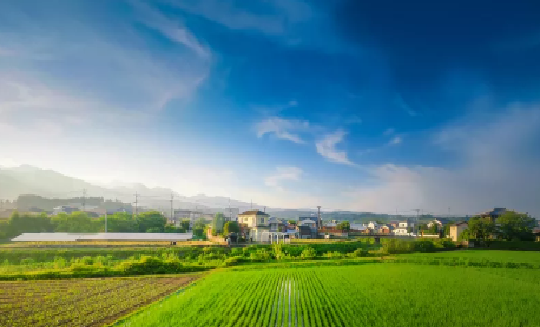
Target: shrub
309, 253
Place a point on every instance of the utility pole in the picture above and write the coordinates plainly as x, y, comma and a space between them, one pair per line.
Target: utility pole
84, 200
136, 204
172, 211
417, 217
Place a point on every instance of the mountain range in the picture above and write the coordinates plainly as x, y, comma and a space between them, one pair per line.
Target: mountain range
27, 179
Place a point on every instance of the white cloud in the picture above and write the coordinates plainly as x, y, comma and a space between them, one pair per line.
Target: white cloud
498, 159
395, 140
283, 174
286, 129
326, 147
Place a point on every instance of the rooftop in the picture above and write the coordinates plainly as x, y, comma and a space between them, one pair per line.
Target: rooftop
73, 237
253, 212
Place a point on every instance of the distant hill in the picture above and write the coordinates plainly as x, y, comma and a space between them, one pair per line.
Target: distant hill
51, 184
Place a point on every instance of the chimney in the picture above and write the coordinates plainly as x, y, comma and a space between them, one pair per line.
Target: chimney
319, 220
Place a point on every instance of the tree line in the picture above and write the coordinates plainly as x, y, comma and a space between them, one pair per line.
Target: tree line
81, 222
510, 226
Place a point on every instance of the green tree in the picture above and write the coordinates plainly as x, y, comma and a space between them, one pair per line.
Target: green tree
516, 226
481, 228
447, 228
217, 223
434, 229
184, 224
199, 228
344, 225
76, 222
291, 222
120, 222
231, 227
465, 235
152, 222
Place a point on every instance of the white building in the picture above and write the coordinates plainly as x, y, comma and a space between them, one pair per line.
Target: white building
401, 231
431, 223
373, 225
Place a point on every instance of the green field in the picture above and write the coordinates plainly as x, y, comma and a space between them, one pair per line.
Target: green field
492, 255
368, 295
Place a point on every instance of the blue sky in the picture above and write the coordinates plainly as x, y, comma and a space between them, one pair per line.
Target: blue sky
351, 105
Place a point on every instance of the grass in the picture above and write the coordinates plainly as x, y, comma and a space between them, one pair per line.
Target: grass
81, 302
492, 255
367, 295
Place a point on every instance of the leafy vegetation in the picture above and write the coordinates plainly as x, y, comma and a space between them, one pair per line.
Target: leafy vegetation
82, 302
369, 295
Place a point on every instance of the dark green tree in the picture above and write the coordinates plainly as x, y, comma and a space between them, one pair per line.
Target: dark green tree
516, 226
184, 224
231, 227
199, 228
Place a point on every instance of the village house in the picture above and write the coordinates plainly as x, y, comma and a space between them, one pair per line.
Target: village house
457, 229
255, 225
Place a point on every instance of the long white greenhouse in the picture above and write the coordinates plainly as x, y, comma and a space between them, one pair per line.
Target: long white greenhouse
74, 237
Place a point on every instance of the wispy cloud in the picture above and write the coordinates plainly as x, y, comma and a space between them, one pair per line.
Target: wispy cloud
326, 147
278, 17
405, 106
283, 174
68, 68
286, 129
395, 140
173, 29
388, 132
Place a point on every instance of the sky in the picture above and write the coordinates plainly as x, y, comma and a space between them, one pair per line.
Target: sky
384, 106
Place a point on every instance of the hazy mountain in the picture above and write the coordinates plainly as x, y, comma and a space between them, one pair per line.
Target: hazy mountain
48, 183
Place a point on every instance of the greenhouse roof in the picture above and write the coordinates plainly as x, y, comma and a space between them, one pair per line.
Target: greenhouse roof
73, 237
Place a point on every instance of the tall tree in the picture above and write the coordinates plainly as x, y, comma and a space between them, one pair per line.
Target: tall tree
481, 228
516, 226
217, 223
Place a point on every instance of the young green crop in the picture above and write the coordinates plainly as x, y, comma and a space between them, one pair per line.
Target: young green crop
369, 295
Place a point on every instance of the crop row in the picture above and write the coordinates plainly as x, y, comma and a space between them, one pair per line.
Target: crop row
369, 295
84, 303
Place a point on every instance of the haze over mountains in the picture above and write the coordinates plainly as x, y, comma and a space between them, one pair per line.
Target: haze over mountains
28, 179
